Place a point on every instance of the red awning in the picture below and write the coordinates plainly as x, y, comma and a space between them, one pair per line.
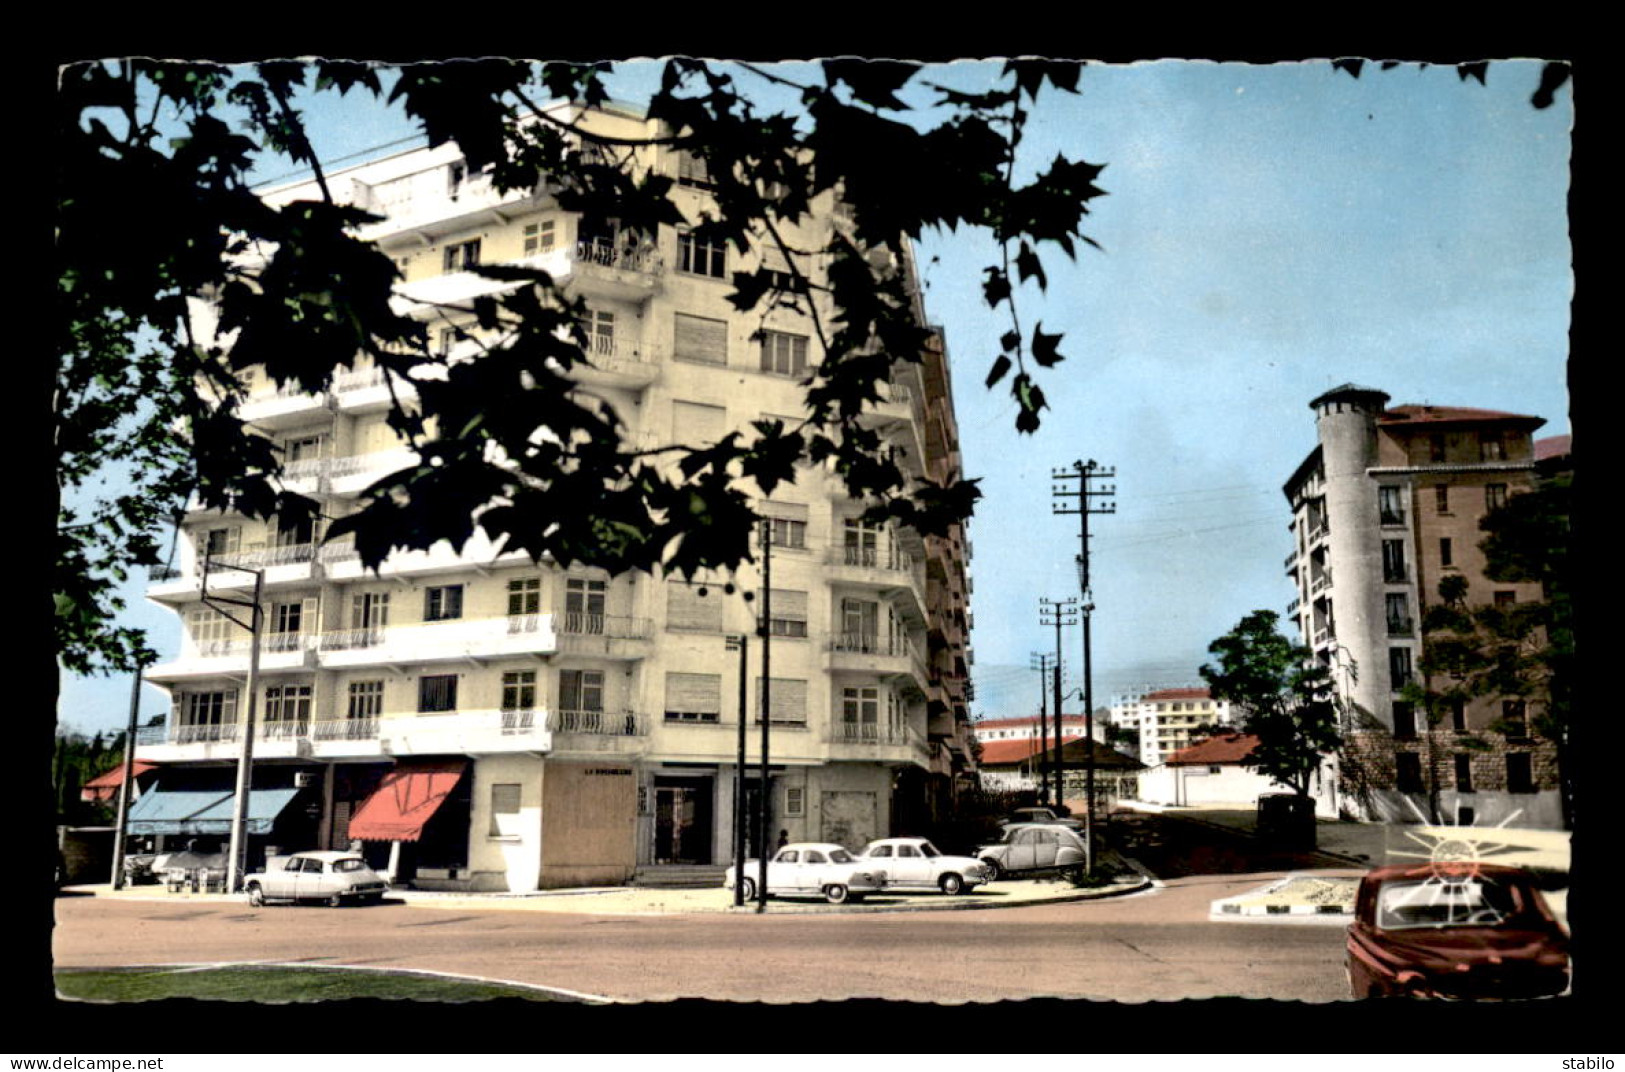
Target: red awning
105, 786
405, 800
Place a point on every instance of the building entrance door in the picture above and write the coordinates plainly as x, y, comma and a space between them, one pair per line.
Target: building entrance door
683, 820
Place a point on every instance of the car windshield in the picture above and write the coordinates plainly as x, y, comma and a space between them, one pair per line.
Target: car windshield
840, 856
351, 864
1444, 902
927, 849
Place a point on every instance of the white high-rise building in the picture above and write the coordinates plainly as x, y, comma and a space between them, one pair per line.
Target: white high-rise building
1170, 719
481, 720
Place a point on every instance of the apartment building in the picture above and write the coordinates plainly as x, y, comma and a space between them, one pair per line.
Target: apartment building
1387, 505
1169, 719
478, 719
1025, 727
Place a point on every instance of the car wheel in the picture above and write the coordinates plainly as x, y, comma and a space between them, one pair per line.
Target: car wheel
835, 893
951, 884
335, 901
748, 888
256, 895
1072, 874
994, 871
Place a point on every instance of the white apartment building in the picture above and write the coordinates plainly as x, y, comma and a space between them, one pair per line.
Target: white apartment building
1025, 727
1168, 719
484, 721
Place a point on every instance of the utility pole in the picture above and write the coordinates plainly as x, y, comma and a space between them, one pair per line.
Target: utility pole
1059, 614
245, 759
739, 643
766, 632
1041, 663
1085, 474
122, 828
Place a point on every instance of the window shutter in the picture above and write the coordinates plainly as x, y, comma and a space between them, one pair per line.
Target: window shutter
689, 611
787, 604
694, 693
787, 701
701, 339
787, 511
696, 423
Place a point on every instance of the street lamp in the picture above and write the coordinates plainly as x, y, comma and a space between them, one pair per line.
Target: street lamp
238, 851
740, 643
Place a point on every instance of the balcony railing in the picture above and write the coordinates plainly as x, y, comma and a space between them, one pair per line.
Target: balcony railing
612, 626
599, 723
1391, 517
362, 728
518, 720
867, 733
872, 644
618, 256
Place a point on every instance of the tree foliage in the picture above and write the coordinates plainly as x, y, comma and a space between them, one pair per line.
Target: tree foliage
155, 211
1284, 695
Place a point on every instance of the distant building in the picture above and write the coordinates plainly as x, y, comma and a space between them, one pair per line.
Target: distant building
1387, 505
1215, 772
1025, 727
1170, 719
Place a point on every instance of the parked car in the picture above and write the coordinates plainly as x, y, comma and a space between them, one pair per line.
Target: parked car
1027, 816
329, 877
915, 864
810, 869
1034, 847
1469, 931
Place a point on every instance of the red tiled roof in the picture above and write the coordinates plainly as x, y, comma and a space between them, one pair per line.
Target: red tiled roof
1556, 446
1419, 414
1228, 748
115, 777
1177, 694
1014, 750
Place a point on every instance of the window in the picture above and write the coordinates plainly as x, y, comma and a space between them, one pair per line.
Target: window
1441, 498
702, 256
1520, 773
697, 424
860, 542
1491, 447
524, 604
369, 611
1514, 718
505, 803
581, 690
860, 625
539, 237
443, 603
785, 532
456, 175
700, 339
461, 256
222, 541
788, 609
287, 708
1391, 504
1446, 552
1464, 773
860, 710
1458, 714
692, 171
693, 697
1399, 613
1436, 448
208, 716
1505, 599
784, 354
688, 611
519, 690
1408, 772
786, 700
795, 802
366, 701
1399, 666
437, 692
1495, 496
1404, 721
584, 605
1393, 560
599, 327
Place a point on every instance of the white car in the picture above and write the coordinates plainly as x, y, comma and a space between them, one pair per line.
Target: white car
812, 869
330, 877
913, 863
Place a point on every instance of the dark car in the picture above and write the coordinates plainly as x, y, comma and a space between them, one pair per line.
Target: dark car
1455, 931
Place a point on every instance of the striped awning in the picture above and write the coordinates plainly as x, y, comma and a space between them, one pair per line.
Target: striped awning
405, 800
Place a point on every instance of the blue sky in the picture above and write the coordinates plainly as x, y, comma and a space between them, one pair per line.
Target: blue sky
1270, 232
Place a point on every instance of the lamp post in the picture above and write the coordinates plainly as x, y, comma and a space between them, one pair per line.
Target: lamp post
122, 826
739, 643
238, 850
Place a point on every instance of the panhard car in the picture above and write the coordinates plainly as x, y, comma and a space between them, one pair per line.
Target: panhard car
1468, 930
912, 863
1034, 847
332, 878
812, 869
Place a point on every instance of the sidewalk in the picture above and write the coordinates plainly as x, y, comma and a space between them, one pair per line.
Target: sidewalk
642, 901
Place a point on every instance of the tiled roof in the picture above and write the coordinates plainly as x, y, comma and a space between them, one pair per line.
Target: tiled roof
1014, 750
1227, 748
1412, 413
115, 777
1556, 446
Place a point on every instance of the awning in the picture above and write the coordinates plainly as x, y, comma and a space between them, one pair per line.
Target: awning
404, 801
204, 811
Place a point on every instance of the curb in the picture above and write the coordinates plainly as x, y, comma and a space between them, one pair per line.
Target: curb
1236, 908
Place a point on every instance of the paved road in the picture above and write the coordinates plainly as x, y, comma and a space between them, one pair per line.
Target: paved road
1156, 945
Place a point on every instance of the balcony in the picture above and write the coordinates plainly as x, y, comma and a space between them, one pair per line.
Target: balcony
618, 361
598, 732
281, 407
475, 732
364, 390
1320, 581
890, 569
479, 638
340, 562
615, 636
351, 475
874, 654
279, 652
876, 742
606, 269
1401, 627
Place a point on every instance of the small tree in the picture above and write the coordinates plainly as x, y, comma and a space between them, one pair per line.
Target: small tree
1286, 700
